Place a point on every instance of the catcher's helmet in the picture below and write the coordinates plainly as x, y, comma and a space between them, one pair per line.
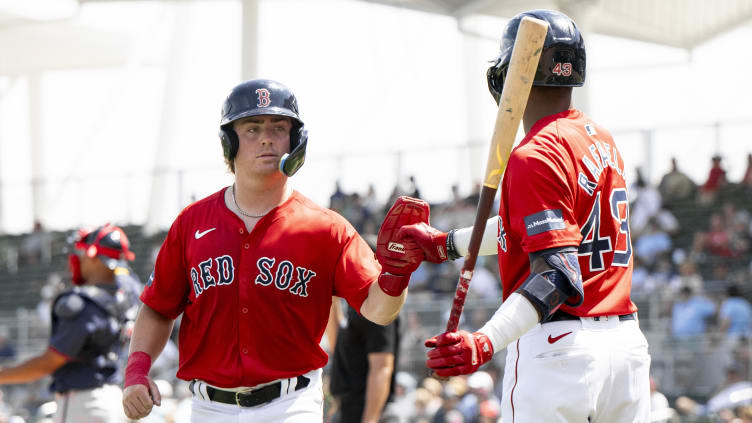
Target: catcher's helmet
263, 97
108, 242
562, 61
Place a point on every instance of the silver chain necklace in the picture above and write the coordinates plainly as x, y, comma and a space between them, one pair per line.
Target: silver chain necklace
243, 212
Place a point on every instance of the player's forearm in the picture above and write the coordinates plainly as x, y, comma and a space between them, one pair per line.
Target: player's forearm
514, 318
30, 370
488, 246
150, 332
380, 307
377, 391
332, 326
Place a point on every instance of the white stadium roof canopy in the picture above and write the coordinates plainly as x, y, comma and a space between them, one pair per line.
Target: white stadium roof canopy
28, 26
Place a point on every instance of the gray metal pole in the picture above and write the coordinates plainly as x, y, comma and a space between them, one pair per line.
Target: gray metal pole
249, 41
35, 137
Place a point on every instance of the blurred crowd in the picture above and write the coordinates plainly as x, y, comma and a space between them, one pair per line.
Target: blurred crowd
692, 282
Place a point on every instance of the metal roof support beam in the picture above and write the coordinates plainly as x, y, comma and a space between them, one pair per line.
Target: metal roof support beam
249, 41
37, 149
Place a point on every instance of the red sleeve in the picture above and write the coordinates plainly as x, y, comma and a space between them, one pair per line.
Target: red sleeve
541, 201
167, 290
356, 269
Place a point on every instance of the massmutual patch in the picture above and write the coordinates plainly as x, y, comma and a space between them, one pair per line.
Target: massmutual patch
547, 220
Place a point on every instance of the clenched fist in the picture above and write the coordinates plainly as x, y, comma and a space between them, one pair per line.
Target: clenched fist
458, 353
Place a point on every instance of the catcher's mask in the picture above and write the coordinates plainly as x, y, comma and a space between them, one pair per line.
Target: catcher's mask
107, 242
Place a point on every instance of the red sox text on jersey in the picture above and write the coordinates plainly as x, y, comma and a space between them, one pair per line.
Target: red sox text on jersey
255, 305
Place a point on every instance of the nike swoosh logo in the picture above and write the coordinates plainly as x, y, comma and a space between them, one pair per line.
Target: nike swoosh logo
200, 234
551, 339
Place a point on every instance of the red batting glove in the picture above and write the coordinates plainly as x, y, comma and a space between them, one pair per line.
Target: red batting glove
432, 241
399, 258
395, 274
458, 353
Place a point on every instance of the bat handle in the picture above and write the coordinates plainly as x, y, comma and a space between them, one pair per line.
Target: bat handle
459, 300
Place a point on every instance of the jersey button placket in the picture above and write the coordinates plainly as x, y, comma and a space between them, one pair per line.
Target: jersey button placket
246, 278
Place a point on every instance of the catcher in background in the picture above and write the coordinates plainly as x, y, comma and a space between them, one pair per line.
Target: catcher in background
88, 325
253, 268
576, 352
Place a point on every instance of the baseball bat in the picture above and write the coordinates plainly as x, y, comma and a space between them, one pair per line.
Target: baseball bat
525, 55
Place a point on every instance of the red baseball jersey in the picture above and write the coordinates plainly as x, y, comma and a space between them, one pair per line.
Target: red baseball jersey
255, 305
564, 186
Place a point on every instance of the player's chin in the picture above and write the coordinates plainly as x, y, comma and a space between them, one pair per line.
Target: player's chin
266, 166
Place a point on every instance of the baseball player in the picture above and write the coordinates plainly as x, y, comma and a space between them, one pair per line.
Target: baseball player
88, 324
252, 270
576, 352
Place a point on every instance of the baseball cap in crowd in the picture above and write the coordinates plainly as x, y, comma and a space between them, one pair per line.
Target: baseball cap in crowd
405, 380
480, 380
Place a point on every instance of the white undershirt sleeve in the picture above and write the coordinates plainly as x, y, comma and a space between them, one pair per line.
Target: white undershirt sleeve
513, 319
488, 246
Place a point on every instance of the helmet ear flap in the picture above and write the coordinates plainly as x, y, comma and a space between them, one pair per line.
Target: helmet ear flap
495, 77
229, 140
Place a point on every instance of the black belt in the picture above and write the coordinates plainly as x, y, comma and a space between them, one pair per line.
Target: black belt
561, 316
252, 398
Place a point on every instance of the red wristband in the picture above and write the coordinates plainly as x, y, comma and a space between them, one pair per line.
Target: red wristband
137, 369
393, 284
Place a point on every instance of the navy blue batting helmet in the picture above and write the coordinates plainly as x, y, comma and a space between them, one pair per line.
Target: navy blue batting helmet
562, 61
263, 97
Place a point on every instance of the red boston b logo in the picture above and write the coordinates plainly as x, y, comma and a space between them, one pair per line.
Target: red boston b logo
263, 97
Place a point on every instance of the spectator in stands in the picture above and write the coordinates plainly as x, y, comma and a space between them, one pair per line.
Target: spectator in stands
35, 247
337, 199
404, 396
660, 412
371, 203
736, 390
7, 350
480, 395
747, 179
716, 180
690, 314
485, 283
715, 286
687, 276
717, 240
85, 346
745, 414
652, 244
676, 185
646, 203
454, 390
49, 291
737, 224
735, 315
412, 188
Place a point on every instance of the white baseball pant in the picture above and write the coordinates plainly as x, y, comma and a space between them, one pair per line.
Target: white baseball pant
302, 406
592, 370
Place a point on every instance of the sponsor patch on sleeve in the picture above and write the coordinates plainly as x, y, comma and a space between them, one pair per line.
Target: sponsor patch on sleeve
544, 221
